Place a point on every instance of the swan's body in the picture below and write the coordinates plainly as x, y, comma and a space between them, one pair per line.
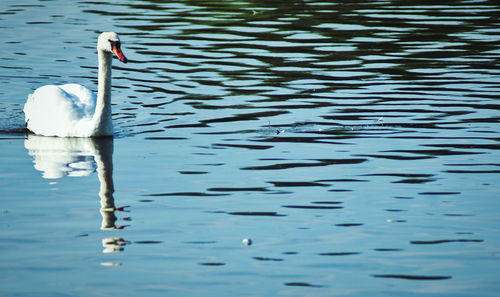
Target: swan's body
72, 110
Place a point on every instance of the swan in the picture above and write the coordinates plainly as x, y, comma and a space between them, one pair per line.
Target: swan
72, 110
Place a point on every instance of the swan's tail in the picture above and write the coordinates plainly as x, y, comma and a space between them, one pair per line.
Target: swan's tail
28, 107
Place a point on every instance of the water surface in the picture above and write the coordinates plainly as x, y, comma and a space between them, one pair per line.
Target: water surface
353, 143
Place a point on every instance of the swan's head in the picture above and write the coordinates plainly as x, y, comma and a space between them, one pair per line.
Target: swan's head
110, 42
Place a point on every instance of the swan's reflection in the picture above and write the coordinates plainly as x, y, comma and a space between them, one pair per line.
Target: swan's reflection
57, 157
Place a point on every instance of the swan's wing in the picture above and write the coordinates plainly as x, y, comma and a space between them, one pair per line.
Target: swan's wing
82, 97
51, 110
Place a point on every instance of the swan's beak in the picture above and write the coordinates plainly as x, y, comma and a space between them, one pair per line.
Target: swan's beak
118, 52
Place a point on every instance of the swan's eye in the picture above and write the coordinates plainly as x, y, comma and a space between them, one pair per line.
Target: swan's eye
114, 43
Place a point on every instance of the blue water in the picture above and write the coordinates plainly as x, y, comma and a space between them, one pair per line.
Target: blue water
355, 144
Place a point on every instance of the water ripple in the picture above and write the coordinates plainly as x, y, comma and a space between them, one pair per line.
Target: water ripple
316, 128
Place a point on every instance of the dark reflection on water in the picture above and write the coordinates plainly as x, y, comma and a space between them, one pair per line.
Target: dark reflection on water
345, 65
354, 141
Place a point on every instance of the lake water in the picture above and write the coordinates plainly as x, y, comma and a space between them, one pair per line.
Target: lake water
355, 143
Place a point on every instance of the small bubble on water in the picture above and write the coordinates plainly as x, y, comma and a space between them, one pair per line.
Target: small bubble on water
110, 264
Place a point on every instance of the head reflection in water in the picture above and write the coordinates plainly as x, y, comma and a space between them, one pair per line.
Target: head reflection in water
58, 157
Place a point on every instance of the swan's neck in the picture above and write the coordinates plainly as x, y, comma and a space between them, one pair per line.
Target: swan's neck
102, 115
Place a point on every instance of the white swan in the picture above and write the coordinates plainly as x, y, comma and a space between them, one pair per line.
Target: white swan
72, 110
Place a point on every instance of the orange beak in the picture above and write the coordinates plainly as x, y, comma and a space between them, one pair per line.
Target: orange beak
118, 52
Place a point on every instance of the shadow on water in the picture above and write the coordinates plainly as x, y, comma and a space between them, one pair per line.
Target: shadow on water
58, 157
